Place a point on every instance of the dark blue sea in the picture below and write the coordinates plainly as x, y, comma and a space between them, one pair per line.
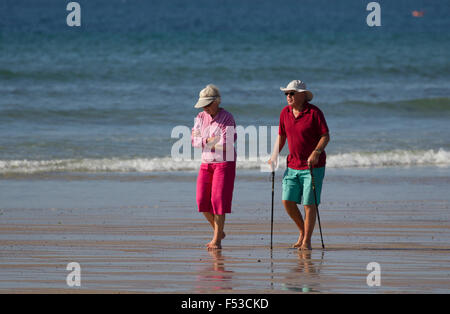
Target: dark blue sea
105, 96
90, 116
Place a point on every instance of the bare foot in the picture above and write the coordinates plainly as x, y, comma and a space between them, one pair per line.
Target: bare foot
214, 246
306, 247
298, 244
210, 242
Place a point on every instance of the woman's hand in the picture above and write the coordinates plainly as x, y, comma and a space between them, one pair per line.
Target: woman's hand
197, 133
213, 140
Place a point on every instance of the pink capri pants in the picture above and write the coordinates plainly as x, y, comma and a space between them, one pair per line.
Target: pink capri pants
215, 184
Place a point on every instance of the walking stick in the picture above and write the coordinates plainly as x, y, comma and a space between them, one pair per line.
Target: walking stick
317, 206
271, 220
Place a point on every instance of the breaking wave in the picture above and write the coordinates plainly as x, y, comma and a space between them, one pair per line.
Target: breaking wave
397, 158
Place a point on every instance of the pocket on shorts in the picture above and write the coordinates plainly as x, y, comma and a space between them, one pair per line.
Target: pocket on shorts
290, 178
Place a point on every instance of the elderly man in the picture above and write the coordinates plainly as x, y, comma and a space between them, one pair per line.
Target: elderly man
305, 128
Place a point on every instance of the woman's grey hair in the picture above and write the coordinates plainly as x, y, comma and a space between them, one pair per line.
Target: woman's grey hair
211, 90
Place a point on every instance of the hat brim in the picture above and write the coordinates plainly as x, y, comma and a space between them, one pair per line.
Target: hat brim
203, 102
309, 95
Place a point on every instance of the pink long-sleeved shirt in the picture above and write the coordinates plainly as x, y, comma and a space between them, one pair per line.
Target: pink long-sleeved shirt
221, 126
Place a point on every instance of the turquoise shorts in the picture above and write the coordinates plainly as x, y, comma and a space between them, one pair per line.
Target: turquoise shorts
297, 185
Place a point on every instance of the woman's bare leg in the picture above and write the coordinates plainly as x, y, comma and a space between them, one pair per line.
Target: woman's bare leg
219, 223
210, 218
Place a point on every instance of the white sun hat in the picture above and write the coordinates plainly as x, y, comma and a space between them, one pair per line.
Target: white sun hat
298, 86
207, 95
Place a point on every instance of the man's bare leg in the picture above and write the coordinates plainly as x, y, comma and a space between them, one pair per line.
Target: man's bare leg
219, 223
296, 216
310, 222
210, 218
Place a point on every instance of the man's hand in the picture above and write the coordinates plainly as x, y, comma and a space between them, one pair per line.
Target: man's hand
273, 163
313, 159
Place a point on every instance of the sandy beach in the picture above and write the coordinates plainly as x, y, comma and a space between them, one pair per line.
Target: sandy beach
97, 166
152, 239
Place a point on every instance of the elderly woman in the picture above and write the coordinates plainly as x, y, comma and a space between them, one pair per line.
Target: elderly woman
214, 132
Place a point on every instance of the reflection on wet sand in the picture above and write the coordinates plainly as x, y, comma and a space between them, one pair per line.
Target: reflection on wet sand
214, 277
305, 276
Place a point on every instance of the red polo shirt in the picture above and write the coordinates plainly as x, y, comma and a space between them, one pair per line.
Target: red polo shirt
303, 134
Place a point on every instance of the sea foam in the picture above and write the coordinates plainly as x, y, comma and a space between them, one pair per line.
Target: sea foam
397, 158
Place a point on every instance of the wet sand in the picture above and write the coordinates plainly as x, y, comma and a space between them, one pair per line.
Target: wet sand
158, 247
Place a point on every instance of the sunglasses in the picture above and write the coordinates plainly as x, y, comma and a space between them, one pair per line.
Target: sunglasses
290, 94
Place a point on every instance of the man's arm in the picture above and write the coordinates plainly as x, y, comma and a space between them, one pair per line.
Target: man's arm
277, 148
314, 157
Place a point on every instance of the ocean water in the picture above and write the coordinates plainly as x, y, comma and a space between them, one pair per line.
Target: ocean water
105, 97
